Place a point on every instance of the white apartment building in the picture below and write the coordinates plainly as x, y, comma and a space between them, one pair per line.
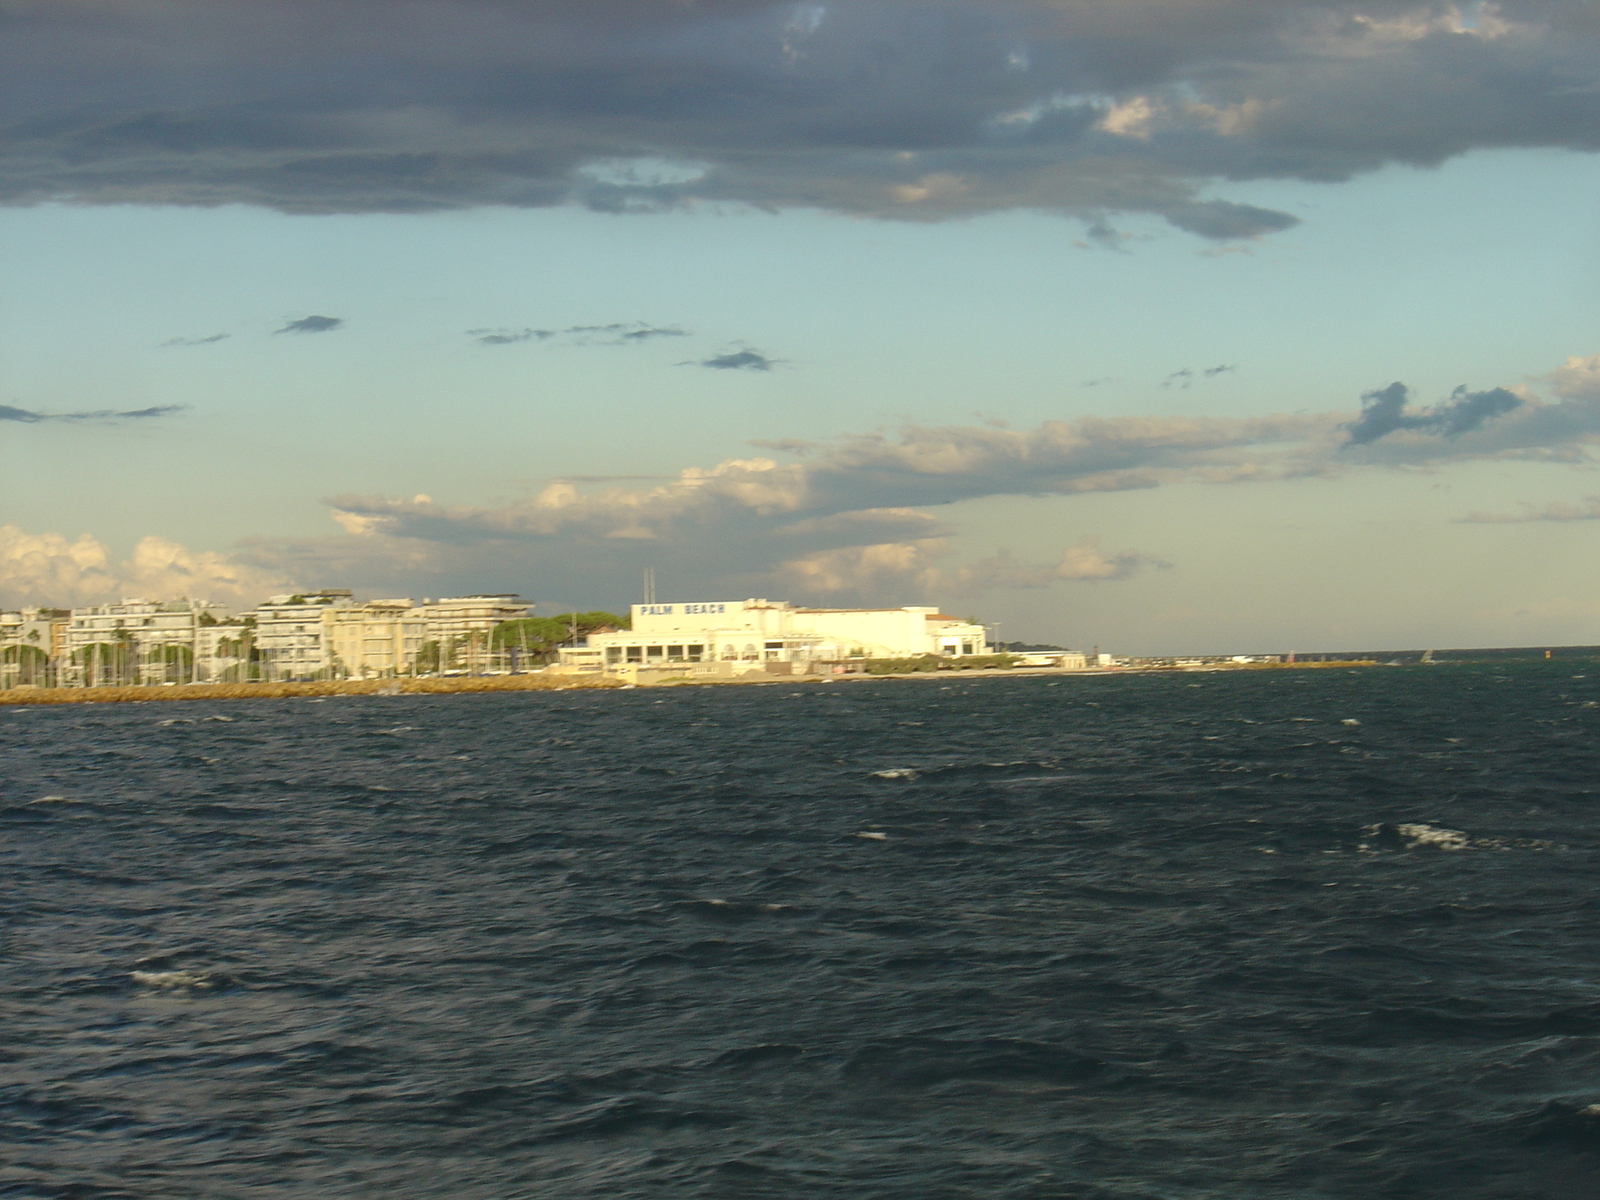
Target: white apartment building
751, 634
326, 633
462, 627
302, 636
377, 639
290, 635
459, 616
31, 641
138, 640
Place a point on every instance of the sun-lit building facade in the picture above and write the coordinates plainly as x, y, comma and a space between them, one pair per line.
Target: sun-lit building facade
374, 640
773, 636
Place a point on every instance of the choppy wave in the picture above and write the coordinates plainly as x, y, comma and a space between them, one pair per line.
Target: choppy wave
1280, 936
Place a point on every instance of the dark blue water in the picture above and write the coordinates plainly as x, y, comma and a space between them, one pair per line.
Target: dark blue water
1106, 938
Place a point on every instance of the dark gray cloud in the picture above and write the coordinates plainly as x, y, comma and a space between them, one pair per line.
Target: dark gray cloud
743, 359
1186, 376
312, 324
29, 417
1384, 412
797, 446
202, 341
616, 334
508, 337
622, 335
1589, 510
880, 108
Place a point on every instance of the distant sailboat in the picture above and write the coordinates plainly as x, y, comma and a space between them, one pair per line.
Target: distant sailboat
1427, 656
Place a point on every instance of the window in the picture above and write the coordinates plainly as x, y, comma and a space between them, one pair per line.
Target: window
696, 653
613, 654
675, 653
635, 653
750, 652
653, 651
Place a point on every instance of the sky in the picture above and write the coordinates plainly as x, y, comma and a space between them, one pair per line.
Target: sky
1162, 326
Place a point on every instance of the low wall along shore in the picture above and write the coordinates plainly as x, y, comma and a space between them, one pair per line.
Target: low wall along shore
331, 687
663, 677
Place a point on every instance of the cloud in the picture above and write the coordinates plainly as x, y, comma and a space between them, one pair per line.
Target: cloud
29, 417
623, 335
1384, 412
508, 337
1082, 561
618, 334
312, 324
1588, 511
49, 569
743, 359
873, 108
1576, 379
798, 446
857, 518
1187, 375
204, 341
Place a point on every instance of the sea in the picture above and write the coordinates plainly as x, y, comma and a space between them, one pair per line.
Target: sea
1255, 935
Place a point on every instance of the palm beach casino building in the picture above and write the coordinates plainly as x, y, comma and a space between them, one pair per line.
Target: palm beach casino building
735, 637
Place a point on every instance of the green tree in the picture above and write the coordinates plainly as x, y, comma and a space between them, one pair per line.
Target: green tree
172, 663
535, 639
243, 648
105, 664
436, 656
32, 664
589, 622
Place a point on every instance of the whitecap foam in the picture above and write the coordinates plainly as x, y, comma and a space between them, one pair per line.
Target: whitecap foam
174, 981
872, 835
1415, 835
1433, 835
895, 773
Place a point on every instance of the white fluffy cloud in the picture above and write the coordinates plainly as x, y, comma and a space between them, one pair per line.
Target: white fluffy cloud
849, 521
845, 522
49, 569
1577, 379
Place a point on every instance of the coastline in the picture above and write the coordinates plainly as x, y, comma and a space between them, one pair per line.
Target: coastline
461, 685
273, 691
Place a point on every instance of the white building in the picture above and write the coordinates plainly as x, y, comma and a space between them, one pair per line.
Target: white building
1066, 660
463, 628
772, 636
458, 616
32, 641
141, 641
290, 636
377, 639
